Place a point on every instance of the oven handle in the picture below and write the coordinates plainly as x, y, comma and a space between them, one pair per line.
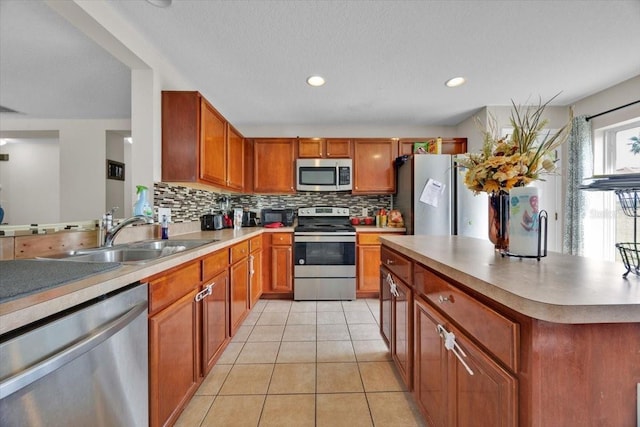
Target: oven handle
324, 237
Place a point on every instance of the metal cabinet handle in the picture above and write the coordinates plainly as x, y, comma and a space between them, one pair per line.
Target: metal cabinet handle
72, 352
205, 292
443, 299
251, 270
389, 262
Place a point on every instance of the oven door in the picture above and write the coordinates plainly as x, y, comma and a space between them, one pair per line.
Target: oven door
327, 249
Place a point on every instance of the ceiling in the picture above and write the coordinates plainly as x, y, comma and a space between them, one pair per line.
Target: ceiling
385, 62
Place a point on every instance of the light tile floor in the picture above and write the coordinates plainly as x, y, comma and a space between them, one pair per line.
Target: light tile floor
305, 364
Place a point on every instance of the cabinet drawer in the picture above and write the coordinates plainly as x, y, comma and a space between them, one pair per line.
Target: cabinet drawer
368, 238
281, 239
255, 243
239, 251
170, 287
492, 330
399, 265
214, 264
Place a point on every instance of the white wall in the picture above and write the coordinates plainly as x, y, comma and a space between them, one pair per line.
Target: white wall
613, 97
29, 181
82, 154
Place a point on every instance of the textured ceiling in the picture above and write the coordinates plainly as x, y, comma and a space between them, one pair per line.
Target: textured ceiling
385, 62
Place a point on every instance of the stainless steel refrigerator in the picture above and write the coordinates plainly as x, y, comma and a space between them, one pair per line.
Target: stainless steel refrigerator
434, 200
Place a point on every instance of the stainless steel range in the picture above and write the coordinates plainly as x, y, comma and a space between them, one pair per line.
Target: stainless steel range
324, 255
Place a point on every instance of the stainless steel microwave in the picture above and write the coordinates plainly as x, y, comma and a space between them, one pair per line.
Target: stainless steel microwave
324, 174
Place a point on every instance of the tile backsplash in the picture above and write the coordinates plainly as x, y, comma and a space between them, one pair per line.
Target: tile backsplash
188, 204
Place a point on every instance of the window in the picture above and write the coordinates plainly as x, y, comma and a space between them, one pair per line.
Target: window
616, 151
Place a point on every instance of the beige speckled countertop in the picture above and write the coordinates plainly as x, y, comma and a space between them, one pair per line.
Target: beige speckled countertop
22, 311
558, 288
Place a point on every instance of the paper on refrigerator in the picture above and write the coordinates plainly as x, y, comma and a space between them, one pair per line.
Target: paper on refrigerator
432, 192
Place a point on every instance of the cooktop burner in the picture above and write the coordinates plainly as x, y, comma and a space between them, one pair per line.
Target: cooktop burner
324, 219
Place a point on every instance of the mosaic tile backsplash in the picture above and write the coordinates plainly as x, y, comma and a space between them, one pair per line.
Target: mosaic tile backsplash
188, 204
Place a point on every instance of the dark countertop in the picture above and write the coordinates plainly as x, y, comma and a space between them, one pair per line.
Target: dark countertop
20, 278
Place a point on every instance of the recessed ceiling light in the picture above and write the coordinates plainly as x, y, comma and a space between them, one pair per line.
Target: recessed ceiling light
455, 82
315, 81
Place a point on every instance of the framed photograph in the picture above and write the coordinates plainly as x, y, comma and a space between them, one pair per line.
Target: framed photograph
115, 170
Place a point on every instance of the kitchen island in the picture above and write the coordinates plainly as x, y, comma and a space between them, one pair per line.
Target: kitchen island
514, 341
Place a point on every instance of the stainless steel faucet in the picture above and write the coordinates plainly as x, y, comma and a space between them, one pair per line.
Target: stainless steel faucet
111, 232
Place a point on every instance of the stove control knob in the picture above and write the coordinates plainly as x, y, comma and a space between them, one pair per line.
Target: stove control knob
300, 261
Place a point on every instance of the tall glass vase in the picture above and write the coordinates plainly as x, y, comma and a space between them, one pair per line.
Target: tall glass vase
499, 220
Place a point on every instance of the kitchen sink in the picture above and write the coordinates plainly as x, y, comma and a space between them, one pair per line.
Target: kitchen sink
132, 253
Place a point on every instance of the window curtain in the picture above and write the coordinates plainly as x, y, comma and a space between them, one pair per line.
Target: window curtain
579, 166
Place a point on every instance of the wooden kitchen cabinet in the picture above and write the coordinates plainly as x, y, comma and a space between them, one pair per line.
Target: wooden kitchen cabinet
198, 144
274, 165
173, 342
373, 166
368, 264
449, 145
239, 274
255, 270
215, 308
281, 263
324, 148
458, 390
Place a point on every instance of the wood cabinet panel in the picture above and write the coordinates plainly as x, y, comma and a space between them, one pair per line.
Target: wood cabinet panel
215, 320
446, 392
173, 360
399, 265
168, 287
373, 166
213, 145
385, 307
274, 165
180, 136
215, 263
235, 159
368, 263
239, 275
315, 148
255, 277
38, 245
402, 334
497, 333
449, 145
281, 262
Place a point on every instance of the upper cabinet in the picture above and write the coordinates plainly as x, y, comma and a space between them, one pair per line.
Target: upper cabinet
324, 148
373, 166
274, 165
198, 144
449, 145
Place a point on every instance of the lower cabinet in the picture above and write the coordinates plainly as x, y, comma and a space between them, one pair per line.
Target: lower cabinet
215, 320
456, 383
173, 342
281, 262
239, 274
255, 270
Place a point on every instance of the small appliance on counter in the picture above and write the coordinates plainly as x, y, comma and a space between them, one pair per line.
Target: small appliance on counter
271, 215
212, 221
250, 218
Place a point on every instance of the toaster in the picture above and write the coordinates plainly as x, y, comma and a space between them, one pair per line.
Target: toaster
211, 222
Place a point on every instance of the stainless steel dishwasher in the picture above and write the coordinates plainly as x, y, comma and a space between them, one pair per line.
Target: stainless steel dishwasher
86, 367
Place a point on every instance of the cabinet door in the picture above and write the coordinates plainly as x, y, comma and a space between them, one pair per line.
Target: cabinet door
401, 342
215, 320
239, 293
490, 394
255, 277
373, 166
385, 307
281, 270
180, 136
213, 146
368, 268
338, 148
312, 148
235, 159
173, 359
273, 165
430, 366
